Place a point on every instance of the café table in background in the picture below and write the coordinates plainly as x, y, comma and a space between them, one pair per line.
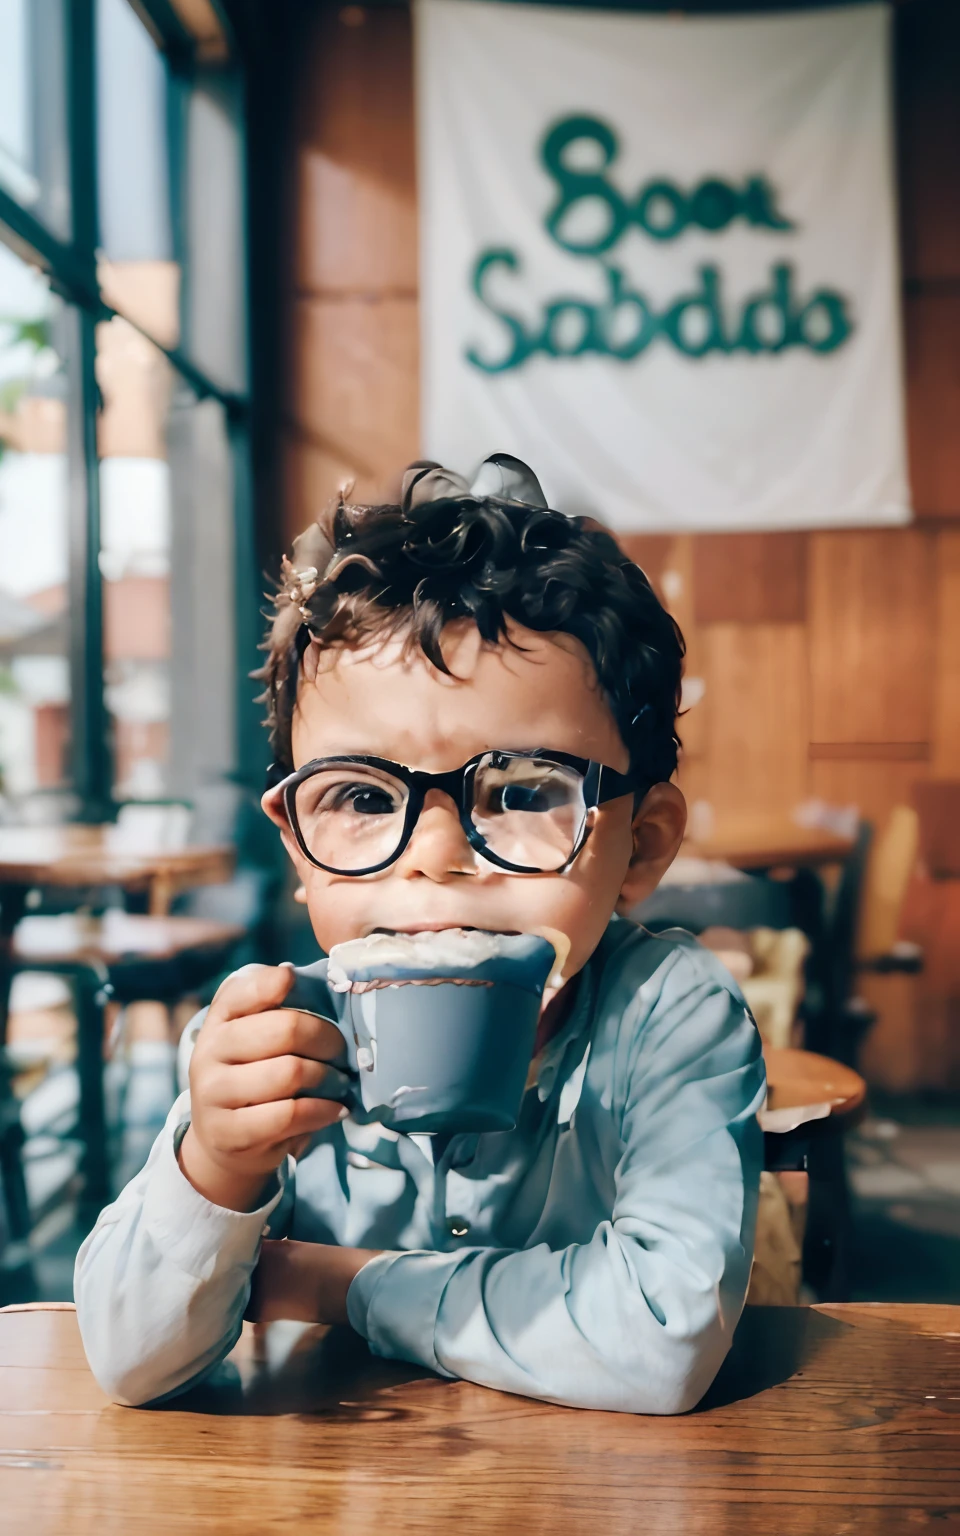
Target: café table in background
89, 860
769, 842
94, 857
824, 1419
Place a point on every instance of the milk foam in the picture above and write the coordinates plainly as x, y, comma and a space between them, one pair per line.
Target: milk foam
450, 949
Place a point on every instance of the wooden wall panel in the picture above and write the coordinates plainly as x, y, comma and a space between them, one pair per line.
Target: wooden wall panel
872, 635
677, 594
668, 562
355, 208
894, 1051
309, 476
932, 333
354, 380
361, 232
350, 309
946, 707
755, 715
750, 578
651, 551
875, 788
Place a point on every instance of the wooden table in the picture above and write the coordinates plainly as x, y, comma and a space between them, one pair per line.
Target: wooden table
803, 1080
824, 1420
769, 842
98, 856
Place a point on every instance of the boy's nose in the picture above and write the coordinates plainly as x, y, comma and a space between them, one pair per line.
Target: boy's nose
438, 848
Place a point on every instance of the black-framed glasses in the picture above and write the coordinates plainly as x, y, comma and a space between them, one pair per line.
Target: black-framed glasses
528, 812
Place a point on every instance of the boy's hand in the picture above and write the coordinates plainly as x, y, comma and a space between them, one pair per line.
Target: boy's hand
306, 1282
251, 1059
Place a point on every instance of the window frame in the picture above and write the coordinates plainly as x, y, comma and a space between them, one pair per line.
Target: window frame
71, 268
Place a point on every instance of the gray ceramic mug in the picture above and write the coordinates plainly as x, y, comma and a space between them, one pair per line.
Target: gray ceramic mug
433, 1050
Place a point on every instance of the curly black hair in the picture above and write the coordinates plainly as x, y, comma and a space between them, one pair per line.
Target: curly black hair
444, 553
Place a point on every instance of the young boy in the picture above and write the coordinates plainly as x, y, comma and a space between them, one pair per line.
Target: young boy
598, 1254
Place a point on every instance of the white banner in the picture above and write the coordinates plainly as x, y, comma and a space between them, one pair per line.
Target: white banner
658, 261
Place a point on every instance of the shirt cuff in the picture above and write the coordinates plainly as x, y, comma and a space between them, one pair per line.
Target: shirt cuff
198, 1236
394, 1302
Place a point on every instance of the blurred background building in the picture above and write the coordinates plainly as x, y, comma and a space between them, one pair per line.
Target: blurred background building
209, 319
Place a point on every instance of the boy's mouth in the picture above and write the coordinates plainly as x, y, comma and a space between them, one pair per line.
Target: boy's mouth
445, 928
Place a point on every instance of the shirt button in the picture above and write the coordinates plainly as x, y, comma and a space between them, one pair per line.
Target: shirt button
457, 1226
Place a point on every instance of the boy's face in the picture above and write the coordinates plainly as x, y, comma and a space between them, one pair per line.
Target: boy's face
376, 702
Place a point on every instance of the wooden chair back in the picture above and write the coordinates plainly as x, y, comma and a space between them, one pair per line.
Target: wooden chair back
843, 925
890, 864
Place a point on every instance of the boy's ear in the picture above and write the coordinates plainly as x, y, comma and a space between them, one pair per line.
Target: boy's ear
658, 828
273, 808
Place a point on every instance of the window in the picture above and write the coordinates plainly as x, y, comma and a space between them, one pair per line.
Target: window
34, 553
136, 385
123, 441
33, 110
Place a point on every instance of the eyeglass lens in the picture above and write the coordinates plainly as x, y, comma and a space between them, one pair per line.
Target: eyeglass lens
529, 812
351, 816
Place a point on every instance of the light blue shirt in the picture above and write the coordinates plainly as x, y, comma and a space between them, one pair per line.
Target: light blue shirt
598, 1255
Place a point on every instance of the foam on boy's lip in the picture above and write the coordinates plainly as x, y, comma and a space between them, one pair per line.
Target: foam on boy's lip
429, 955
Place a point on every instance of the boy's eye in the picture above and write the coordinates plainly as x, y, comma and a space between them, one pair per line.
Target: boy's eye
363, 799
545, 794
529, 797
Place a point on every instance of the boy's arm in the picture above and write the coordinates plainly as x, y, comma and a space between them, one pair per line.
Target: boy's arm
162, 1280
639, 1318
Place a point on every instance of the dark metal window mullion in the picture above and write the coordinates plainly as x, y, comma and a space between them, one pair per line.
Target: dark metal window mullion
251, 744
74, 278
90, 748
92, 756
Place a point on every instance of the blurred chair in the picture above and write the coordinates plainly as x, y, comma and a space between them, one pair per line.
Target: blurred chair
863, 930
730, 899
244, 902
769, 966
221, 812
921, 1033
835, 1023
126, 957
122, 958
890, 865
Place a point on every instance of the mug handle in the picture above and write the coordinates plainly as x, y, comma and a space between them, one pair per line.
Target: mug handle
310, 994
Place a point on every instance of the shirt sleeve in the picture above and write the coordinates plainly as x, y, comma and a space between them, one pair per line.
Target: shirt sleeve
639, 1318
162, 1281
